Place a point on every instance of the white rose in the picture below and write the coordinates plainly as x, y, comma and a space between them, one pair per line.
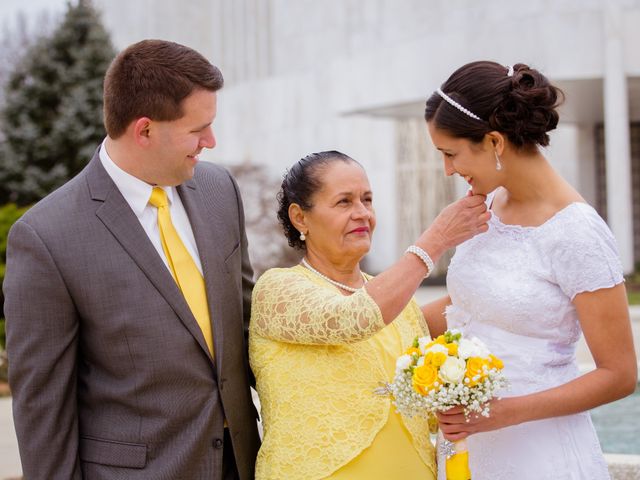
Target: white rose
481, 348
468, 348
422, 343
452, 370
403, 362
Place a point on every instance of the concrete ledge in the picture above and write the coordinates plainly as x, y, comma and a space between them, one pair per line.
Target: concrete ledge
623, 467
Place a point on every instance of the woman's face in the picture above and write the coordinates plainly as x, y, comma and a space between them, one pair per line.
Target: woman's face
475, 162
340, 223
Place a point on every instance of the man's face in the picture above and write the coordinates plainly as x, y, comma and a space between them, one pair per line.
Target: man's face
177, 144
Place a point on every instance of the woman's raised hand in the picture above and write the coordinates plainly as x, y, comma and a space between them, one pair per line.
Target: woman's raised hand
458, 222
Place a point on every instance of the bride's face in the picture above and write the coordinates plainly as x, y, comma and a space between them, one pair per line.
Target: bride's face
475, 162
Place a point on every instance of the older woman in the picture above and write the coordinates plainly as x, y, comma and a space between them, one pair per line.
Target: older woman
323, 334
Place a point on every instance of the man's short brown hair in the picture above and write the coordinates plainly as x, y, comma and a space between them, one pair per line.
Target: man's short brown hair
151, 78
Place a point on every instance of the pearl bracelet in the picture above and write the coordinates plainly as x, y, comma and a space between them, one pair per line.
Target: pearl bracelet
422, 255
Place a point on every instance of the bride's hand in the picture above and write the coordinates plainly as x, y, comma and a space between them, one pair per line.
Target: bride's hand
455, 426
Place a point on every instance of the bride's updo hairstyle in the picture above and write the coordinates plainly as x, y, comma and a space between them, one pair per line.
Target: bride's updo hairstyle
299, 184
484, 96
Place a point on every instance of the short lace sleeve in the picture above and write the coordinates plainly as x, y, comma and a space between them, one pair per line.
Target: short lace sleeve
288, 306
584, 255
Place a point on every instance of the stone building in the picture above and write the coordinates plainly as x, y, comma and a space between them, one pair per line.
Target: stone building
353, 75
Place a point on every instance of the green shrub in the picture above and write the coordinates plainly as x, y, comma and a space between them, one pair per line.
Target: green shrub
9, 213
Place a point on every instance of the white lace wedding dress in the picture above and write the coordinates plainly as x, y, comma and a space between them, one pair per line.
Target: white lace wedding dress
512, 287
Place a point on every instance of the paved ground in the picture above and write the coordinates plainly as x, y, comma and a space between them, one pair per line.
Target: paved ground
9, 459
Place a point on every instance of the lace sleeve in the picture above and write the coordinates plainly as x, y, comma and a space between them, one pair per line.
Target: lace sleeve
585, 258
288, 307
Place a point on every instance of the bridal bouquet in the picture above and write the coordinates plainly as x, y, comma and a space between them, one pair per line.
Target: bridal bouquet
452, 370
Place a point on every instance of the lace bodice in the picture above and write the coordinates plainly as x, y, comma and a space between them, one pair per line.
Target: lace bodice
316, 363
523, 279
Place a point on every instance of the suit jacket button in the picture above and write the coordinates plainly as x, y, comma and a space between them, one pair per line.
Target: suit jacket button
217, 443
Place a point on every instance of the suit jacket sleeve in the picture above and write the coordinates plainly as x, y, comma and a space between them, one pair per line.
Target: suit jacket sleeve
247, 277
42, 338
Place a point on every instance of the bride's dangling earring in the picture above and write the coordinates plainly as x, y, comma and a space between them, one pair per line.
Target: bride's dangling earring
498, 164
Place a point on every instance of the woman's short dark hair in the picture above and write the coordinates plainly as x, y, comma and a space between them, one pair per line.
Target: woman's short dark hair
522, 106
299, 184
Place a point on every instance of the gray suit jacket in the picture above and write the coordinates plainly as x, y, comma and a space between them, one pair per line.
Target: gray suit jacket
110, 373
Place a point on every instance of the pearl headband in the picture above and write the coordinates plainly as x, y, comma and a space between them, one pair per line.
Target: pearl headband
455, 104
466, 111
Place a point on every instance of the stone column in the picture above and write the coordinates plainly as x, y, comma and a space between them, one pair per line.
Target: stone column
617, 141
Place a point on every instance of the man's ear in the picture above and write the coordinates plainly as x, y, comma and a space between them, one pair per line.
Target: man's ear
497, 141
142, 131
297, 217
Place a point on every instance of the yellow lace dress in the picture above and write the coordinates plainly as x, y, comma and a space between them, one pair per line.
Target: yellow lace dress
318, 356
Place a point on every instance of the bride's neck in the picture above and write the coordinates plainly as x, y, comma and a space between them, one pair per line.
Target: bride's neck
532, 180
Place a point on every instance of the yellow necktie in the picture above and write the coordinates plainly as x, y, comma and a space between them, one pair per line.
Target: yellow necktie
185, 272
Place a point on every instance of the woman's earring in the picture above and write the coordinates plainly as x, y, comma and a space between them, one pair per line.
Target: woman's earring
498, 164
303, 237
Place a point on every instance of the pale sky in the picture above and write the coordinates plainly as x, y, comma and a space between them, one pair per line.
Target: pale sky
32, 8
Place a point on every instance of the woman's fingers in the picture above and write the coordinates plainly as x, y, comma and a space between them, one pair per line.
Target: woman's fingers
454, 437
459, 221
455, 431
452, 411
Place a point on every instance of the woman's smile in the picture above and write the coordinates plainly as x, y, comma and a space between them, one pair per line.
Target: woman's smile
360, 230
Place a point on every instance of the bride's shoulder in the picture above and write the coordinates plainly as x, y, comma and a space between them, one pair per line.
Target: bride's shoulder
580, 217
577, 228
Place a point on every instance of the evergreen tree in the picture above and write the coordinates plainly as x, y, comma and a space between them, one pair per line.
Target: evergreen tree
51, 122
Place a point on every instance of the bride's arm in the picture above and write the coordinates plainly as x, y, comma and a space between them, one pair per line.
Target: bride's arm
434, 315
604, 317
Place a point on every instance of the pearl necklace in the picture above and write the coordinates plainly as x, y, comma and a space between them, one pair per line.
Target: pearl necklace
344, 287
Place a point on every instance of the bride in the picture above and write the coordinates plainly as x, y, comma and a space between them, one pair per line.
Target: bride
546, 271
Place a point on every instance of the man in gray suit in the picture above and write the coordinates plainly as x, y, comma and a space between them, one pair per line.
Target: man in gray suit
115, 372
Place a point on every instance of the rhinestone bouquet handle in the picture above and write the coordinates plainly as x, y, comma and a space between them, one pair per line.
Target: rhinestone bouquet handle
457, 459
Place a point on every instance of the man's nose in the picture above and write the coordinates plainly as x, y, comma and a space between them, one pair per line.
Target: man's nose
208, 140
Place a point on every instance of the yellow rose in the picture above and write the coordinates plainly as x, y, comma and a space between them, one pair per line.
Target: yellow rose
413, 351
424, 377
495, 362
475, 368
440, 340
453, 348
435, 358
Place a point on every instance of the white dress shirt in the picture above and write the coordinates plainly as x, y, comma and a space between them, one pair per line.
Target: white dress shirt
137, 193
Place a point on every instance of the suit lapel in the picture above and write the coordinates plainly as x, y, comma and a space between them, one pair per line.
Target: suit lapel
119, 219
208, 239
